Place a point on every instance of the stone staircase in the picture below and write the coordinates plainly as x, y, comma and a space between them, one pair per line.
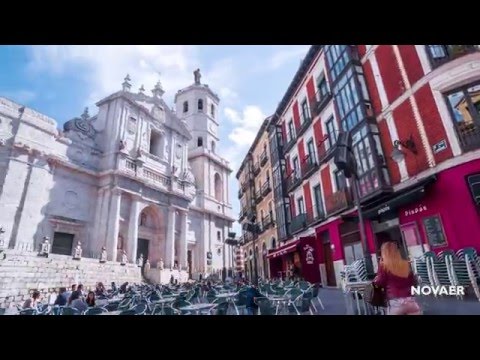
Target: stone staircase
23, 271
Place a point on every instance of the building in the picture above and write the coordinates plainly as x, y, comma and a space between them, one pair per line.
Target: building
130, 178
256, 198
413, 116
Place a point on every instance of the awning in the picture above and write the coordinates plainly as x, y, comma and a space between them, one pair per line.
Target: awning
390, 206
285, 249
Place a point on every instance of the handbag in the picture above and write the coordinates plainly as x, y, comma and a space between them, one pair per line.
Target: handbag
375, 295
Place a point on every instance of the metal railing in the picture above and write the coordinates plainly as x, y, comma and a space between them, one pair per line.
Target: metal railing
294, 180
338, 201
263, 158
309, 165
256, 168
318, 102
298, 223
289, 141
304, 124
266, 188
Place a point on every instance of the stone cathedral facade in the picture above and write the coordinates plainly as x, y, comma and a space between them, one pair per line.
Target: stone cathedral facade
138, 178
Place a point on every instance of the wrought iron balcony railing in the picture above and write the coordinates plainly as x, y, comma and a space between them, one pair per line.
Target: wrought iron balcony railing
309, 165
293, 180
263, 158
256, 168
298, 223
266, 188
338, 201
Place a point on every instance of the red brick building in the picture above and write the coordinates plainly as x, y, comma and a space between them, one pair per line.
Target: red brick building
414, 115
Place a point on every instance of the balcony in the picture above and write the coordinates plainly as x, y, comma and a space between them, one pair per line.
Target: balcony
319, 101
256, 169
267, 222
258, 196
298, 223
441, 54
242, 214
324, 153
469, 135
305, 123
266, 188
338, 201
263, 158
293, 181
289, 143
309, 165
315, 219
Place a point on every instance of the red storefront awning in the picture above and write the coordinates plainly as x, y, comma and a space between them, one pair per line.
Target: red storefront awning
285, 249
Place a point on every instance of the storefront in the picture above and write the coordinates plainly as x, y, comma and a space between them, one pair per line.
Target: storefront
298, 258
440, 212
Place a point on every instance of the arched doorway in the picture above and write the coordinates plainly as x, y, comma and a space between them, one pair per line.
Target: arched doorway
151, 238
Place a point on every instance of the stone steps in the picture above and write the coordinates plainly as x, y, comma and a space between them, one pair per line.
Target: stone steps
22, 272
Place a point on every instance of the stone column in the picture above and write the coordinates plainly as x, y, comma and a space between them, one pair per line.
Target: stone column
182, 256
113, 225
170, 241
132, 241
96, 240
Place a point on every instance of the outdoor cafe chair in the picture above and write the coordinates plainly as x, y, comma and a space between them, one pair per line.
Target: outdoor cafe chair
265, 306
95, 311
140, 309
30, 311
295, 297
316, 292
128, 312
68, 310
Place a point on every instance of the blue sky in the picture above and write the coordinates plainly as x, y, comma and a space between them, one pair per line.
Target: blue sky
60, 81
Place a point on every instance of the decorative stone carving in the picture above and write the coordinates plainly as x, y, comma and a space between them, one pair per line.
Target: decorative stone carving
45, 248
77, 254
160, 264
197, 76
2, 239
103, 255
81, 125
188, 177
122, 145
124, 259
147, 265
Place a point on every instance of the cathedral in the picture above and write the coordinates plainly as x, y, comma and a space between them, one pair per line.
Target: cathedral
138, 181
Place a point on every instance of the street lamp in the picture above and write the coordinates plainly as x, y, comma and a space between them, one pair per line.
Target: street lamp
398, 155
252, 228
345, 160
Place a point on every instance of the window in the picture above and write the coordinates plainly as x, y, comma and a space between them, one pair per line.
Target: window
212, 110
305, 111
340, 180
185, 106
338, 58
317, 196
261, 214
218, 187
270, 210
301, 206
366, 169
200, 142
331, 137
213, 146
353, 252
349, 101
291, 131
62, 243
474, 185
219, 236
156, 143
296, 169
465, 107
311, 151
440, 54
322, 87
200, 105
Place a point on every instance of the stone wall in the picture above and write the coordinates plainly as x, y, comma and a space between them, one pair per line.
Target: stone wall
21, 272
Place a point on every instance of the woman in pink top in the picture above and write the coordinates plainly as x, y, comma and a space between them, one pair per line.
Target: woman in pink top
396, 277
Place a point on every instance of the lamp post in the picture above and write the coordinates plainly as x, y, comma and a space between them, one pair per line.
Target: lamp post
345, 160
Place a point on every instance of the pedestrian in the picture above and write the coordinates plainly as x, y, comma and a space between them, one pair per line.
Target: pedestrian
396, 277
90, 299
77, 302
252, 293
68, 294
61, 299
33, 301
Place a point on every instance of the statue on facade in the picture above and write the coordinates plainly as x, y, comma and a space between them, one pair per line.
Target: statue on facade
77, 254
122, 145
2, 240
197, 76
147, 266
124, 259
175, 265
160, 264
45, 249
103, 255
140, 260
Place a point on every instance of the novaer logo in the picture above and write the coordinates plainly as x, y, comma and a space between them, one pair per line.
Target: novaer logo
437, 290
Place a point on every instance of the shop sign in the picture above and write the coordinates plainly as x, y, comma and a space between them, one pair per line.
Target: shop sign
309, 259
383, 209
418, 209
440, 146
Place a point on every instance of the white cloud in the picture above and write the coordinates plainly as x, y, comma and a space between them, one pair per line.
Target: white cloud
242, 135
21, 96
286, 55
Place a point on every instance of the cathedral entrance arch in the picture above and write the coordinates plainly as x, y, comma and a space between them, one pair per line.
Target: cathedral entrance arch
151, 235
